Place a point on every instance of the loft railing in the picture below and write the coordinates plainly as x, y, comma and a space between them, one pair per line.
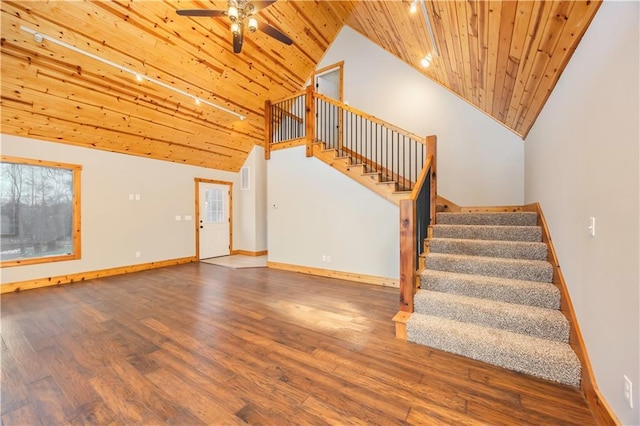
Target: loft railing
408, 159
380, 146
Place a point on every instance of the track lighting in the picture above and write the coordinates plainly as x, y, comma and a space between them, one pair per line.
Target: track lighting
39, 37
414, 6
426, 61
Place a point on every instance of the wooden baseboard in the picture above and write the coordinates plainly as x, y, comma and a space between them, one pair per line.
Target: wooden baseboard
597, 404
83, 276
348, 276
250, 253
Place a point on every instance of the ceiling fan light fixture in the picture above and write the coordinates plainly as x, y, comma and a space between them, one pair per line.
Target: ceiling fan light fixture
233, 13
235, 28
253, 24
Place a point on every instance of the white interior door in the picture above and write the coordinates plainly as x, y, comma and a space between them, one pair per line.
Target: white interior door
328, 84
214, 220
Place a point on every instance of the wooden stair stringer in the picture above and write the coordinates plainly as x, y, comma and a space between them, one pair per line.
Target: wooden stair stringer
370, 180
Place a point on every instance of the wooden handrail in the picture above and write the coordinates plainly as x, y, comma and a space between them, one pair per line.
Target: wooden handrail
289, 97
369, 117
408, 227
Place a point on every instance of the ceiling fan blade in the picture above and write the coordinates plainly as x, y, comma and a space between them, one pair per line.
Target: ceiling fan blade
258, 5
238, 38
275, 33
201, 12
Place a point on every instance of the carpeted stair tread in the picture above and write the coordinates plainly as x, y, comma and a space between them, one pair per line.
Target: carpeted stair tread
502, 249
542, 358
488, 232
501, 218
542, 295
533, 321
519, 269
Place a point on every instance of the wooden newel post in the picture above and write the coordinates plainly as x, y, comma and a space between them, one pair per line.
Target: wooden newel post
310, 119
407, 254
268, 123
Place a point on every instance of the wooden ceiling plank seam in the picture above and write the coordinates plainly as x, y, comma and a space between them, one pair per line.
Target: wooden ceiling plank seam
523, 21
507, 20
132, 98
550, 34
572, 33
518, 37
474, 60
541, 13
225, 99
445, 46
90, 118
44, 123
173, 82
494, 14
482, 53
443, 58
463, 30
453, 46
102, 106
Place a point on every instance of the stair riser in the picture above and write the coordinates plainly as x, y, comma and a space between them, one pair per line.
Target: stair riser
554, 328
501, 249
548, 360
542, 295
500, 219
495, 233
496, 268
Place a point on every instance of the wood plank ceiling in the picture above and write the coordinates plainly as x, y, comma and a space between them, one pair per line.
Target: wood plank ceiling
502, 57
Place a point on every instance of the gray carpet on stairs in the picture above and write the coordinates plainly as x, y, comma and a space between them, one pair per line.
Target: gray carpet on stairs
539, 322
538, 357
503, 219
542, 295
487, 294
503, 249
519, 269
489, 232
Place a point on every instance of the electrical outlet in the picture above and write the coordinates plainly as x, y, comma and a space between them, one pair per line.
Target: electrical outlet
137, 254
628, 391
328, 258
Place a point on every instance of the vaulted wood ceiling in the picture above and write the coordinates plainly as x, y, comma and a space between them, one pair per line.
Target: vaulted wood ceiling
503, 57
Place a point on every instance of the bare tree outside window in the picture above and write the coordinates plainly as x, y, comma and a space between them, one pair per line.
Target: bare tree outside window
39, 211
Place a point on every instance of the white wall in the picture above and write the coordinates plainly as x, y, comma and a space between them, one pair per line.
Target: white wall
582, 161
314, 210
480, 162
250, 233
114, 228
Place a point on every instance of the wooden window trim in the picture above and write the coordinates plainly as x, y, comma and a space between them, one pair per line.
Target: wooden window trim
76, 235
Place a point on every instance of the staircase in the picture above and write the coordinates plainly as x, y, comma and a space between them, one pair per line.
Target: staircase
487, 294
367, 175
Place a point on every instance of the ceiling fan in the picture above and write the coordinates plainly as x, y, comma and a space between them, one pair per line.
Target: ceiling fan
241, 14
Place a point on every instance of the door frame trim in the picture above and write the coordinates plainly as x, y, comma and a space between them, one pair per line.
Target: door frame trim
198, 181
339, 66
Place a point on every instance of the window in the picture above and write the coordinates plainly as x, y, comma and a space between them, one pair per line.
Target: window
39, 211
214, 206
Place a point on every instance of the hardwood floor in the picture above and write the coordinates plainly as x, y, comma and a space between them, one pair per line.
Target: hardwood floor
203, 344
